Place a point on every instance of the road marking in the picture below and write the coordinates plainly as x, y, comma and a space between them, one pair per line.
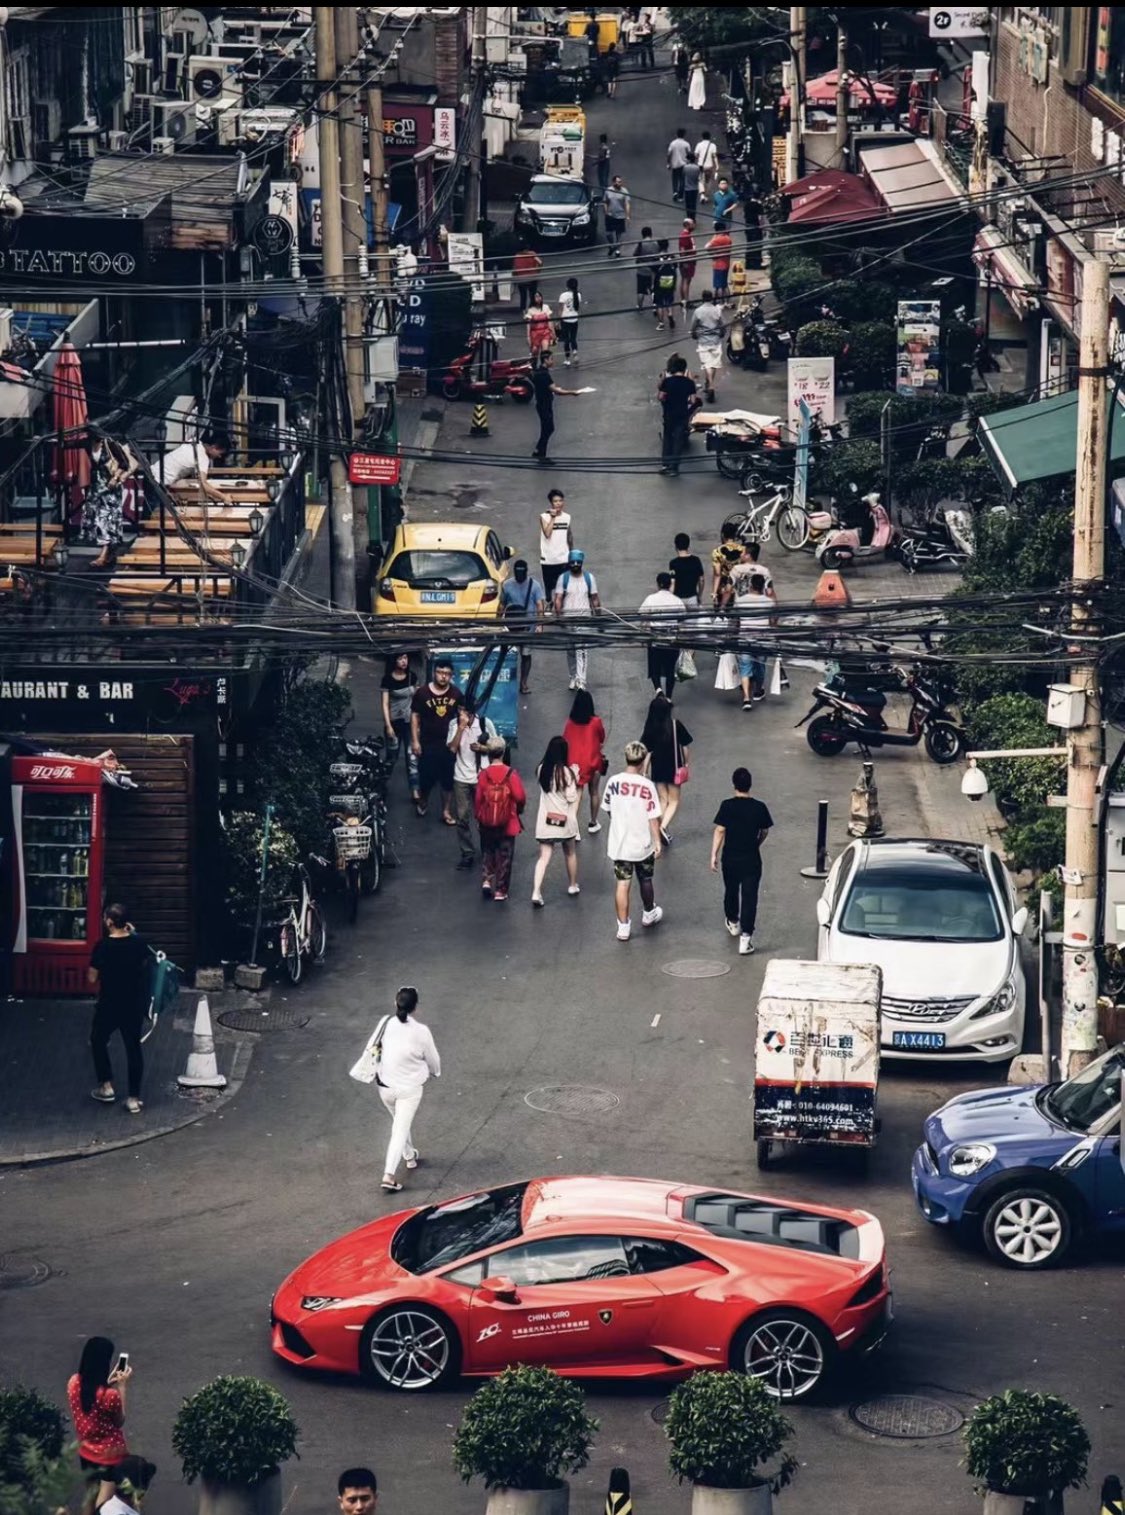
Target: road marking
656, 1019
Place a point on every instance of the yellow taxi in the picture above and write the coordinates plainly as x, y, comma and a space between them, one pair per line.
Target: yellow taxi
442, 568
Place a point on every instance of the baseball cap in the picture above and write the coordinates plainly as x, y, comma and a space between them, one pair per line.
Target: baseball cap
576, 557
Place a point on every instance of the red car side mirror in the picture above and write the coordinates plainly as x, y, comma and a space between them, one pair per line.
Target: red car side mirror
501, 1289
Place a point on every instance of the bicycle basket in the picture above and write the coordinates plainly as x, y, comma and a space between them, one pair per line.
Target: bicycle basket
352, 842
348, 804
347, 773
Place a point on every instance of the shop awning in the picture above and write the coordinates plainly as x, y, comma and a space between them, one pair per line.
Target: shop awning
907, 176
1040, 440
991, 251
831, 196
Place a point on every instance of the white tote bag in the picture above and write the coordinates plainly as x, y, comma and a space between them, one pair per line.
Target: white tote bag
726, 674
366, 1068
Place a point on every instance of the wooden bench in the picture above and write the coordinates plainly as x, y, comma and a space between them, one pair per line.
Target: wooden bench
163, 600
146, 552
192, 493
17, 529
23, 553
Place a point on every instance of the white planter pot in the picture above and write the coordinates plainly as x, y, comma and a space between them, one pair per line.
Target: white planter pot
708, 1501
235, 1499
529, 1501
1003, 1504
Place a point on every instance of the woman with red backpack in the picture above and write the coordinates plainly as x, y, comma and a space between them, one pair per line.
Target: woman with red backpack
498, 803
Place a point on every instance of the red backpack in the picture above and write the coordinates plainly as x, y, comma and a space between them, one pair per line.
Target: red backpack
494, 804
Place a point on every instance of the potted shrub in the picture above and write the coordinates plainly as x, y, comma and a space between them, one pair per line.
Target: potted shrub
724, 1428
35, 1475
520, 1433
233, 1435
1022, 1447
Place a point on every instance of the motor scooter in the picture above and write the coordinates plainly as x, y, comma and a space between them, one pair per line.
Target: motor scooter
853, 713
478, 372
847, 546
930, 543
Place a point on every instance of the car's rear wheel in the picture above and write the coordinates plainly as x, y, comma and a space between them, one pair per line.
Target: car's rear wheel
787, 1351
410, 1347
1028, 1228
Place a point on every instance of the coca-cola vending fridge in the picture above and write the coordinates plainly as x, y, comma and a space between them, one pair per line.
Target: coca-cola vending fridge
59, 833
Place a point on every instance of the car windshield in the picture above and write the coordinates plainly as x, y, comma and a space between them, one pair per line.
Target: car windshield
437, 568
922, 905
444, 1234
559, 192
1084, 1100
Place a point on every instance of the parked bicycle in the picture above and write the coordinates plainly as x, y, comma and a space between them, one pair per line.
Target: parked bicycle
303, 933
758, 523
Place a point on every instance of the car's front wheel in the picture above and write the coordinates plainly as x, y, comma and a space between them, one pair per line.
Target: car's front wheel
1028, 1228
410, 1347
788, 1351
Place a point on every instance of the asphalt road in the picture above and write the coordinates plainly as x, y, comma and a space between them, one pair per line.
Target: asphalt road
175, 1247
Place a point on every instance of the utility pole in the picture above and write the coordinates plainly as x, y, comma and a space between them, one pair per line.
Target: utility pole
794, 145
332, 257
843, 92
353, 203
476, 157
377, 167
1086, 743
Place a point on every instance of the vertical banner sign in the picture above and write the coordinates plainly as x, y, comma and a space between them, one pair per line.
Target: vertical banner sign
814, 381
801, 462
445, 132
465, 250
283, 202
918, 370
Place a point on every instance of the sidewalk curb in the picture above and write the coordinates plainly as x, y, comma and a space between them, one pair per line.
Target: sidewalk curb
243, 1052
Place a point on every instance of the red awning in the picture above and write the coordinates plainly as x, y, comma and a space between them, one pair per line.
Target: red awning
830, 196
71, 467
866, 94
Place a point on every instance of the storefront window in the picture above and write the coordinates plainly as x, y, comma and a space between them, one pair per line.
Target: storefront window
1107, 45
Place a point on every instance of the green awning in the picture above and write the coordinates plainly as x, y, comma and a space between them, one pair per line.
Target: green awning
1040, 440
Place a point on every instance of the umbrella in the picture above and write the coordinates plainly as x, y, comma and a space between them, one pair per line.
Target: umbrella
71, 468
864, 93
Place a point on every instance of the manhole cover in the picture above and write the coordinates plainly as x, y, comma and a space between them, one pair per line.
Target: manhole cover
908, 1417
695, 967
22, 1272
659, 1411
274, 1019
571, 1099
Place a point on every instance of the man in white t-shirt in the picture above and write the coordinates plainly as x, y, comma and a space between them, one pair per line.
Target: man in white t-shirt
634, 841
755, 608
576, 594
662, 656
556, 541
471, 741
749, 564
192, 461
707, 156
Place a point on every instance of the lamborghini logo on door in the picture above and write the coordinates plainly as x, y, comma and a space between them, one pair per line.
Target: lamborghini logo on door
605, 1316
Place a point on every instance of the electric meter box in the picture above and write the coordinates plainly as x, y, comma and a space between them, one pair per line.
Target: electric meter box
1066, 706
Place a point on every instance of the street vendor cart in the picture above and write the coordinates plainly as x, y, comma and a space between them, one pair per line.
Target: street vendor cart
816, 1072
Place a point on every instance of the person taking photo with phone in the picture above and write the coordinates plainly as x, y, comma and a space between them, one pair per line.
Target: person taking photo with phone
96, 1395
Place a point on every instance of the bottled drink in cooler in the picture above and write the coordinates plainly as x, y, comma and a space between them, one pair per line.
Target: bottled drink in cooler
64, 862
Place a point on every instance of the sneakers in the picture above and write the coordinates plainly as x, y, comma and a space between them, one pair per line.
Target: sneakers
466, 862
573, 684
747, 704
624, 930
486, 891
573, 888
566, 362
745, 945
594, 827
652, 917
499, 899
732, 927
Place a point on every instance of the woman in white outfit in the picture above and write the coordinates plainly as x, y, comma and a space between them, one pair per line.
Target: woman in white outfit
556, 824
407, 1060
697, 89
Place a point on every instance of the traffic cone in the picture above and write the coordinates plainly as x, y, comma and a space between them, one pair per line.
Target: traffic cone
479, 427
202, 1071
619, 1500
775, 677
830, 592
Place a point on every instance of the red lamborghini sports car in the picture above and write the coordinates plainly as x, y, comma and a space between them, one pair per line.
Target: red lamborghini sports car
597, 1278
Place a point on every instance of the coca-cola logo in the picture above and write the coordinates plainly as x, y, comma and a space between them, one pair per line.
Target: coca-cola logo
53, 771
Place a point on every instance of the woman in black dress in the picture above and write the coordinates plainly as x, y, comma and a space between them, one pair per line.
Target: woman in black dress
667, 740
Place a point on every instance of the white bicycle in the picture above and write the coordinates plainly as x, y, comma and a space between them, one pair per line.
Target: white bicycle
778, 510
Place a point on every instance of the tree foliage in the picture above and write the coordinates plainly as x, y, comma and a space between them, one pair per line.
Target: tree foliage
723, 1429
292, 760
1019, 1442
234, 1430
37, 1474
524, 1430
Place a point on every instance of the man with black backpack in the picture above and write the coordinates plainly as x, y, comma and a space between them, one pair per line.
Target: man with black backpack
576, 594
499, 802
522, 600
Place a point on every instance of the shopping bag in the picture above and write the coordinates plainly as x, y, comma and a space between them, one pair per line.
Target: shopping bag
685, 666
726, 675
365, 1070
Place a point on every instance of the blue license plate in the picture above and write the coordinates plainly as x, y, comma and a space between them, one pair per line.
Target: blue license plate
918, 1041
438, 597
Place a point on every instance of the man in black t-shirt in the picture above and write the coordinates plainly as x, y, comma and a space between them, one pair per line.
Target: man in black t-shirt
678, 398
742, 824
687, 572
433, 707
543, 383
119, 972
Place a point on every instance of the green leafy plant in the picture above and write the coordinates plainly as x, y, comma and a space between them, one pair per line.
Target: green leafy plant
795, 278
243, 845
723, 1428
871, 353
292, 760
234, 1430
822, 339
1038, 844
1019, 1442
524, 1430
36, 1475
844, 464
1017, 720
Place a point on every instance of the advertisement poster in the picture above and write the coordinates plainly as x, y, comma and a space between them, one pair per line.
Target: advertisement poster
918, 370
801, 461
814, 381
465, 250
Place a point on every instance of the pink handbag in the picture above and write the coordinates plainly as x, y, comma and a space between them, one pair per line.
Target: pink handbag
683, 769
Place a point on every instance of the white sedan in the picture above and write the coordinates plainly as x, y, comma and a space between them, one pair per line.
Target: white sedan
940, 919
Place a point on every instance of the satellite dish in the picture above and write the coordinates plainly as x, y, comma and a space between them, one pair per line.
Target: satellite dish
194, 23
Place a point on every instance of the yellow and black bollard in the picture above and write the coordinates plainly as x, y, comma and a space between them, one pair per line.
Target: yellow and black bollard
479, 427
619, 1500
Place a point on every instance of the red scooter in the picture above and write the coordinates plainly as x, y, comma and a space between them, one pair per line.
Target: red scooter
478, 372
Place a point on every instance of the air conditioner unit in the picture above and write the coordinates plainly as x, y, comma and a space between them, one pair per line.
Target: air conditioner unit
1074, 44
163, 145
82, 143
254, 124
117, 141
172, 77
1110, 243
138, 76
139, 114
211, 79
174, 119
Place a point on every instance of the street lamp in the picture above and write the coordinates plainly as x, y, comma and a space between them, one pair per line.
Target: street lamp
256, 521
237, 556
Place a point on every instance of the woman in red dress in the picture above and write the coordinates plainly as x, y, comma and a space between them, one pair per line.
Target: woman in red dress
687, 261
96, 1396
584, 735
540, 327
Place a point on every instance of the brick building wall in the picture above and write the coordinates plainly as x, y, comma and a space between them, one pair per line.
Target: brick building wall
1052, 121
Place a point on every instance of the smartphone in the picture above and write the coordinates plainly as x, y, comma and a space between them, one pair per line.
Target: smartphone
122, 1363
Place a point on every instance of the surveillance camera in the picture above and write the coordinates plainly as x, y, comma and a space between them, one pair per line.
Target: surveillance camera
974, 786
